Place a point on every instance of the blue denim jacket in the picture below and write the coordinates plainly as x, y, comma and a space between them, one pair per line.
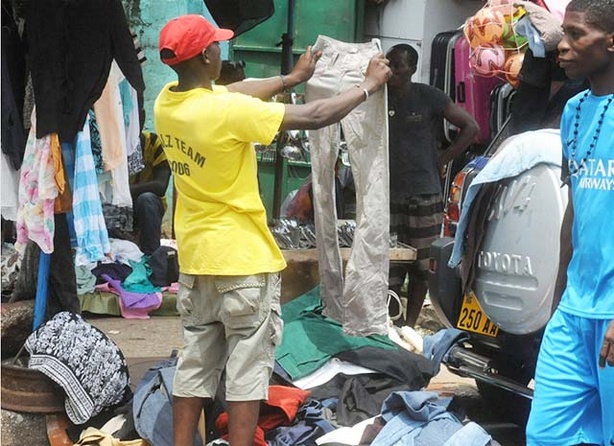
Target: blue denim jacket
408, 415
522, 152
437, 346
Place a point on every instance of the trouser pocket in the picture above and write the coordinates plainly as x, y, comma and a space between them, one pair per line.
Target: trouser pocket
244, 300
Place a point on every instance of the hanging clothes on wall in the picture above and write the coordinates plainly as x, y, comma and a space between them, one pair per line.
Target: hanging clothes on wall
110, 119
130, 107
96, 143
38, 219
37, 193
90, 229
140, 54
28, 103
13, 88
114, 183
359, 301
72, 45
9, 184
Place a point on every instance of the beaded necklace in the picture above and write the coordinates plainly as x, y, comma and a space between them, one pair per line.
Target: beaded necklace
574, 142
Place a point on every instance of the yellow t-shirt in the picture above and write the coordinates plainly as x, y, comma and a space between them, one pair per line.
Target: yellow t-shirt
220, 221
153, 155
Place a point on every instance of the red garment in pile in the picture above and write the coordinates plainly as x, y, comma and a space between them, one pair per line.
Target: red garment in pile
279, 410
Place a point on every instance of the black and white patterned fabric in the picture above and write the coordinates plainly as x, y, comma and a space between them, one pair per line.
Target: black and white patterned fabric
82, 360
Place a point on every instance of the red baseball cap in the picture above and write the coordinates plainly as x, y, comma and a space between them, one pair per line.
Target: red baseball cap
188, 35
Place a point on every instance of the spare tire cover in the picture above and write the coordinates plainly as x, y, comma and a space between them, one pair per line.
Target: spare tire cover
517, 262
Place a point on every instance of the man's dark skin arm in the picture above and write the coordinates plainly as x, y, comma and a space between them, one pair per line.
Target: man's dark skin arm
565, 252
606, 355
158, 185
469, 129
267, 88
323, 112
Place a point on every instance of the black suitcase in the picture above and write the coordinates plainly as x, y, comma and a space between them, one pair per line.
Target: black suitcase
501, 100
442, 62
442, 72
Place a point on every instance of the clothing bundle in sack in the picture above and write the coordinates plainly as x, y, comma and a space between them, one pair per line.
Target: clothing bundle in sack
83, 361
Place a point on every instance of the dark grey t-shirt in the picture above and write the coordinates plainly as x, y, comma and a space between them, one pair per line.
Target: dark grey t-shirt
414, 127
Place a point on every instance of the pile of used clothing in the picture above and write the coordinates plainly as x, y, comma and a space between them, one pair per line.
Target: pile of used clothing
127, 282
326, 388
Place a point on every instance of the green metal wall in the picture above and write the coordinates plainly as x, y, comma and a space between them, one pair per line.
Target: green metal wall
339, 19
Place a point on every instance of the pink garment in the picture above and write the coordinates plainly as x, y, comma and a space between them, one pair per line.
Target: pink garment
139, 313
174, 288
37, 193
557, 8
105, 288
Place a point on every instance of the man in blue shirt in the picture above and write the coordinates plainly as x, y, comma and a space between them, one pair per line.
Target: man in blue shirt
574, 380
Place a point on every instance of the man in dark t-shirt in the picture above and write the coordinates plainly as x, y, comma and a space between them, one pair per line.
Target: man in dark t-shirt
415, 114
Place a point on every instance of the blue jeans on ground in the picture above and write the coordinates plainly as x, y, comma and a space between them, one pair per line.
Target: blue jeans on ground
148, 213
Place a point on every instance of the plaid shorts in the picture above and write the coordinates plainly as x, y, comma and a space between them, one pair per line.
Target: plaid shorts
417, 222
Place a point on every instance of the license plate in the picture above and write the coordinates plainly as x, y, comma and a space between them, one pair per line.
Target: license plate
472, 318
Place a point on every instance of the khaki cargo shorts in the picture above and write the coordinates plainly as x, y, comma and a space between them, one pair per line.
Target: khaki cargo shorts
232, 323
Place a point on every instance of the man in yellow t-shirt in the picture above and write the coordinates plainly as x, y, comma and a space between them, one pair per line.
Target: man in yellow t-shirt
228, 259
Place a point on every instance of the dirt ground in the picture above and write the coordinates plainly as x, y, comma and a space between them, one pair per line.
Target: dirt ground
143, 342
